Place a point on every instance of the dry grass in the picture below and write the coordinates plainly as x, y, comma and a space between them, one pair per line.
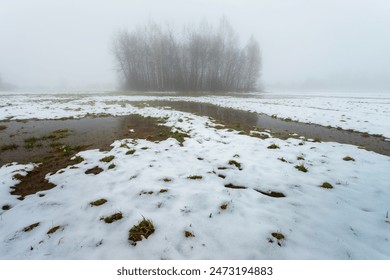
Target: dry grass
107, 159
113, 218
8, 147
301, 167
326, 185
144, 229
53, 230
188, 234
98, 202
195, 177
31, 227
348, 158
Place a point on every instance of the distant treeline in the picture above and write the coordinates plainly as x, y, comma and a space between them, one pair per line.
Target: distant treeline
152, 58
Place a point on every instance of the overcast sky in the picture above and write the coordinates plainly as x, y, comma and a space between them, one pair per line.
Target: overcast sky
316, 43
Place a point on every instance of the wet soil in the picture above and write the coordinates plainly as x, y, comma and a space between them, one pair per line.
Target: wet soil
247, 121
54, 142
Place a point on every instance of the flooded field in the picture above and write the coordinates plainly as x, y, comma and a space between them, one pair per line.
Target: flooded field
54, 142
246, 121
109, 161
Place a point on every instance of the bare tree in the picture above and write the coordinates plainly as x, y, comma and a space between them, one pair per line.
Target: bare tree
197, 59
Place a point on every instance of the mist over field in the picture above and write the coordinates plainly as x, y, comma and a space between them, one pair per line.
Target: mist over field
313, 45
195, 130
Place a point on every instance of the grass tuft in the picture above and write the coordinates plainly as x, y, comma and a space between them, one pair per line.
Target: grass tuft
130, 152
6, 207
224, 206
188, 234
231, 186
30, 227
278, 235
98, 202
301, 167
78, 159
144, 229
348, 158
113, 218
235, 163
53, 230
111, 166
271, 193
195, 177
326, 185
107, 159
273, 146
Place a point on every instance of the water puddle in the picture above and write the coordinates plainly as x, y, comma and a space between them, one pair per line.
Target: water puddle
247, 121
54, 142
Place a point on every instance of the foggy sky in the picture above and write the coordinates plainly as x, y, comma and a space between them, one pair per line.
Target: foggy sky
323, 44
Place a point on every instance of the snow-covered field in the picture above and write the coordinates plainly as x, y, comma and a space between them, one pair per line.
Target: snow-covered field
364, 112
182, 188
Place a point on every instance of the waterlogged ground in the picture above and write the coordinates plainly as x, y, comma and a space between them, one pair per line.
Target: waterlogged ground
190, 188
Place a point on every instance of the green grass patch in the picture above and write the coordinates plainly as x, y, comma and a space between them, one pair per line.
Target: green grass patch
78, 159
111, 166
179, 136
278, 235
271, 193
163, 190
8, 147
113, 218
195, 177
30, 142
67, 150
56, 144
98, 202
301, 167
107, 159
300, 158
130, 152
235, 163
273, 146
144, 229
167, 180
231, 186
326, 185
57, 134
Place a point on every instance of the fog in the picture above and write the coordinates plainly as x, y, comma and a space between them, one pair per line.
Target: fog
305, 44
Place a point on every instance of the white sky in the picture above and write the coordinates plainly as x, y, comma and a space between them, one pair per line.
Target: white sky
66, 43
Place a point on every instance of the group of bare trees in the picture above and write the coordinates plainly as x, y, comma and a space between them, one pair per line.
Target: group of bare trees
152, 58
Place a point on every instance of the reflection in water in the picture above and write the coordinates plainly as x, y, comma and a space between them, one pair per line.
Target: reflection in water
246, 121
